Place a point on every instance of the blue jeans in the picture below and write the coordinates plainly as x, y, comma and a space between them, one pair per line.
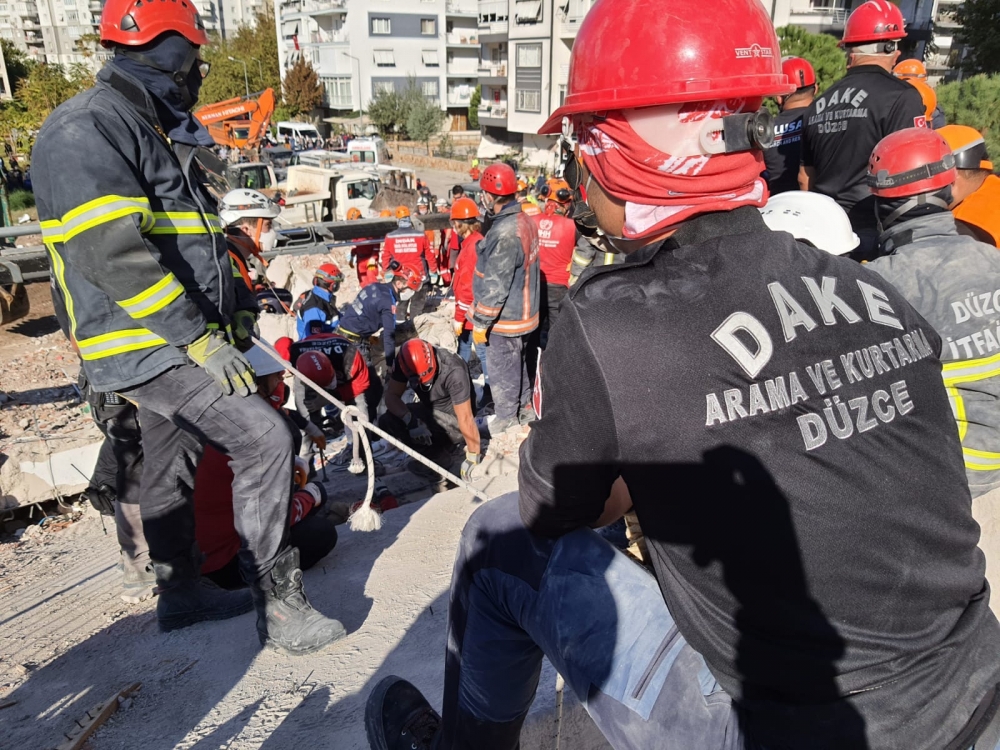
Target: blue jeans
601, 621
465, 351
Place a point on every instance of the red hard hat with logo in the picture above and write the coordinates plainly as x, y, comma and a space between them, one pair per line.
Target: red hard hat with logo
134, 22
799, 71
875, 21
464, 209
411, 276
317, 367
675, 51
499, 179
328, 276
910, 162
417, 360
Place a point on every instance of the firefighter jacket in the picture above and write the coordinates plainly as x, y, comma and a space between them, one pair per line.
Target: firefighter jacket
954, 282
505, 283
411, 248
136, 249
587, 254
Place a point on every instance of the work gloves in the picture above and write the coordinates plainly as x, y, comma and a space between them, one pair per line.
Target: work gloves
315, 435
420, 433
224, 362
469, 465
435, 279
459, 327
479, 335
245, 326
102, 498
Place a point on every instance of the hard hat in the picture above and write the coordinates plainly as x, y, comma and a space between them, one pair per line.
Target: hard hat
410, 276
926, 94
423, 200
812, 217
133, 22
353, 213
246, 204
676, 52
385, 213
328, 276
464, 208
910, 162
283, 346
910, 69
499, 179
262, 362
521, 186
317, 367
799, 71
402, 211
968, 146
417, 360
875, 21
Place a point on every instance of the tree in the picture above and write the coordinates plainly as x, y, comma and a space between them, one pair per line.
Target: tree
423, 120
474, 101
980, 20
821, 50
18, 63
303, 91
387, 111
252, 45
43, 89
975, 102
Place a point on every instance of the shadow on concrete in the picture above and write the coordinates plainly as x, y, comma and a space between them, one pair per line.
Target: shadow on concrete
36, 327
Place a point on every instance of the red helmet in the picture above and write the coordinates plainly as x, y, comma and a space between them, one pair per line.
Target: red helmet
499, 179
328, 276
910, 162
464, 209
799, 71
676, 52
317, 367
133, 22
411, 276
875, 21
417, 360
283, 346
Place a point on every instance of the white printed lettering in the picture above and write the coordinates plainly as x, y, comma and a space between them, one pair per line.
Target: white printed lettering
790, 311
879, 310
827, 301
725, 336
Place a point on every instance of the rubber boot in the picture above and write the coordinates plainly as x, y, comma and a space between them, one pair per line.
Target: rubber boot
398, 717
186, 598
286, 621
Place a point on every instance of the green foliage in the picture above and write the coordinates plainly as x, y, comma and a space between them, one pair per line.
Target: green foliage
407, 113
980, 20
303, 91
474, 102
975, 102
255, 45
424, 119
387, 111
18, 63
21, 200
43, 89
820, 50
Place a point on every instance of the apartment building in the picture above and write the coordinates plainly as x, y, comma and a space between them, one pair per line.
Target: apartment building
361, 47
52, 30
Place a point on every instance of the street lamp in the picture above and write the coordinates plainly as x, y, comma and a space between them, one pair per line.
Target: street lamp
260, 70
246, 81
360, 124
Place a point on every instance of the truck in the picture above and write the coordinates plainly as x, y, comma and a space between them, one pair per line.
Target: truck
317, 194
239, 123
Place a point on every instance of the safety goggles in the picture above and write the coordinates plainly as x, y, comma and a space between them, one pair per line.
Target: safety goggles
573, 174
562, 195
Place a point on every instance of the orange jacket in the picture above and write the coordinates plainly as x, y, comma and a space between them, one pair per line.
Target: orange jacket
982, 208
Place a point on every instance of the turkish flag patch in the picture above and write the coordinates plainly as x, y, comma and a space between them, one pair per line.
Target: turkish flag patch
920, 122
536, 394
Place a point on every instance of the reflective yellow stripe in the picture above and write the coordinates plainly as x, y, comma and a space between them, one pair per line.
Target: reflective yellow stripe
118, 342
95, 212
236, 269
185, 222
153, 299
970, 370
958, 408
981, 460
59, 269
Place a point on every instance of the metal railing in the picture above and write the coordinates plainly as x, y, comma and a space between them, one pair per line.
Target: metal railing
493, 71
456, 37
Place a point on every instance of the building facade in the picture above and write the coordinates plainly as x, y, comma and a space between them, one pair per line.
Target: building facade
54, 31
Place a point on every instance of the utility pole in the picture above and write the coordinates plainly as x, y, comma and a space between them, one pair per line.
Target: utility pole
246, 80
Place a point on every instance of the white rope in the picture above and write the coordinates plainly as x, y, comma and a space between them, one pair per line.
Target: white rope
365, 518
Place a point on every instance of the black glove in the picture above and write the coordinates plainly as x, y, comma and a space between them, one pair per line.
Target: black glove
102, 498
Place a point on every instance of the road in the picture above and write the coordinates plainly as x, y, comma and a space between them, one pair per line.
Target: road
439, 181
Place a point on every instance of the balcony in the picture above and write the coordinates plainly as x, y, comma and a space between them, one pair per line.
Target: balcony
493, 114
493, 73
94, 6
458, 99
463, 69
464, 38
945, 18
293, 10
570, 16
493, 18
819, 15
469, 8
23, 10
339, 102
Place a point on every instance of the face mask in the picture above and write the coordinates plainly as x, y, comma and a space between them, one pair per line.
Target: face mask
277, 397
406, 294
267, 240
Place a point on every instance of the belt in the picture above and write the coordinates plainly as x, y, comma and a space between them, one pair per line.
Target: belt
350, 336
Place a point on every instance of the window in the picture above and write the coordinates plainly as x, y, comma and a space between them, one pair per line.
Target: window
365, 190
429, 88
338, 92
428, 26
430, 58
529, 55
384, 58
381, 25
383, 87
528, 101
527, 11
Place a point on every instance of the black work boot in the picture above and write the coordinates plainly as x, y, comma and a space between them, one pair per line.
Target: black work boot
398, 717
186, 598
487, 399
286, 621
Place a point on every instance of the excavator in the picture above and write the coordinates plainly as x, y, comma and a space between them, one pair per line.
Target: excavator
241, 122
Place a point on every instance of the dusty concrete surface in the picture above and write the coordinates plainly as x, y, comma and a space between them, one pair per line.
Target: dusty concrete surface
67, 642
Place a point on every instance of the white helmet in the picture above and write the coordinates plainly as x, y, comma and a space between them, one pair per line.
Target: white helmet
246, 204
812, 217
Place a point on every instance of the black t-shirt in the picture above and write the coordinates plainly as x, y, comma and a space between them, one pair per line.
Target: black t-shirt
452, 384
783, 158
779, 417
842, 128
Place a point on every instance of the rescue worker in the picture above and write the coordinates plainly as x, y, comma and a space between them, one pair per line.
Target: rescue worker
140, 259
557, 239
374, 309
316, 309
410, 247
528, 203
950, 279
505, 287
816, 569
592, 251
441, 424
466, 226
782, 158
976, 192
913, 70
929, 99
843, 125
340, 368
813, 219
248, 219
363, 257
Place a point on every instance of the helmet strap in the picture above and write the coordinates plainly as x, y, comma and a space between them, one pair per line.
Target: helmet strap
925, 199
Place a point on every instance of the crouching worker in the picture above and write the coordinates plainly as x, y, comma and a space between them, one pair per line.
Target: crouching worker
442, 422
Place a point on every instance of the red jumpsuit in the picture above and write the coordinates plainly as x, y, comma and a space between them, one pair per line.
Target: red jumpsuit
409, 247
366, 263
465, 268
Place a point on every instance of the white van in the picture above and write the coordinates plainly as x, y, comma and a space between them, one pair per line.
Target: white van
298, 129
369, 151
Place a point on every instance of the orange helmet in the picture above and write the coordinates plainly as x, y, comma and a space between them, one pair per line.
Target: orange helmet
131, 23
927, 94
968, 146
385, 213
521, 186
910, 69
353, 213
464, 208
402, 212
557, 190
